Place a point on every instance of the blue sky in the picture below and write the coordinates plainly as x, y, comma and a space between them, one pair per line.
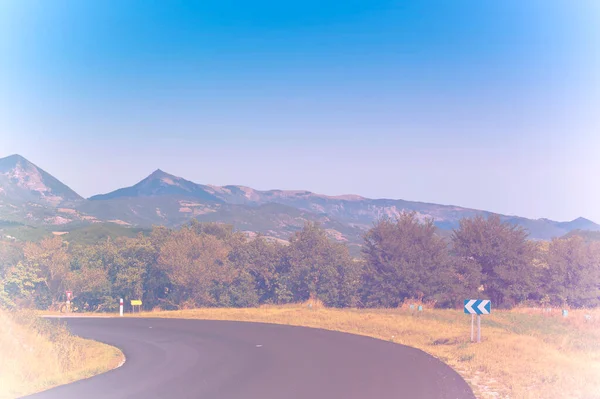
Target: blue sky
491, 105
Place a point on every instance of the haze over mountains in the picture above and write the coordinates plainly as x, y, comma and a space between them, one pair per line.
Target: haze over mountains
31, 196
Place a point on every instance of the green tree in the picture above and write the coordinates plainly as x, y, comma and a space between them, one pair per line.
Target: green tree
131, 261
10, 255
504, 255
261, 259
50, 256
314, 266
195, 264
405, 259
20, 285
572, 276
156, 282
89, 280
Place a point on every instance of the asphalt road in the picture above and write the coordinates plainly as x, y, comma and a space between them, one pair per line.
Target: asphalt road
172, 358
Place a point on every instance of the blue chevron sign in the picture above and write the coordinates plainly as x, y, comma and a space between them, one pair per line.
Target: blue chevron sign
478, 306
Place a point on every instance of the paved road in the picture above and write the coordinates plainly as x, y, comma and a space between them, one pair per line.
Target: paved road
171, 358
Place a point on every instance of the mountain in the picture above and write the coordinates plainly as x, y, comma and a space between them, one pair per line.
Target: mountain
30, 195
160, 183
587, 235
23, 181
175, 199
579, 224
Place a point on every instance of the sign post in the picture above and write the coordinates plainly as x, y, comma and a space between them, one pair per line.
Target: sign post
121, 307
134, 303
477, 307
472, 326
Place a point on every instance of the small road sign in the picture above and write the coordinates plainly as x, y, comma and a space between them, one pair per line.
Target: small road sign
69, 295
134, 303
478, 306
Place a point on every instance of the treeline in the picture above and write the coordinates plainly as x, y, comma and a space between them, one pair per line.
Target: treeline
208, 264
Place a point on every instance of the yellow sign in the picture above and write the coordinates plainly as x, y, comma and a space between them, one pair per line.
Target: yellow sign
136, 302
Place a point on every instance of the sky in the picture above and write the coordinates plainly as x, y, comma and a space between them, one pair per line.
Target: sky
485, 104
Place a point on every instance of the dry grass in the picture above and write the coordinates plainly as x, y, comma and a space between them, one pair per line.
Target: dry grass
36, 355
523, 354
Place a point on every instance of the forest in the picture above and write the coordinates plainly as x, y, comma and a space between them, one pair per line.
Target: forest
211, 265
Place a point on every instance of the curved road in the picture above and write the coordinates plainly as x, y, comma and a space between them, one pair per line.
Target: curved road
173, 358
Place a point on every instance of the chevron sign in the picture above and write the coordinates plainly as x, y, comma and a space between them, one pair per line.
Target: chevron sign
478, 306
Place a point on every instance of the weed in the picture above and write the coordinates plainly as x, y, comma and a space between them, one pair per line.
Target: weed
466, 358
38, 354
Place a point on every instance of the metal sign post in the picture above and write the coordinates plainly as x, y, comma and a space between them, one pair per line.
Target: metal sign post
477, 307
134, 303
472, 326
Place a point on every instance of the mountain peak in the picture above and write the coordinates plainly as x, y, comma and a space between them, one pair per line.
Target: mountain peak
11, 161
581, 220
160, 183
16, 157
162, 177
26, 182
581, 223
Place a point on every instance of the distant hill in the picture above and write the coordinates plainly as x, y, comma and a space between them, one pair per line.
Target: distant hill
31, 196
160, 183
585, 234
79, 234
22, 181
97, 232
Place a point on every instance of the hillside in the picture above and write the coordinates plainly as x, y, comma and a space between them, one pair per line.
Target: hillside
22, 181
33, 198
585, 234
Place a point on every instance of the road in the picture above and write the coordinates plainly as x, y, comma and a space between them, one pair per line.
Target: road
173, 358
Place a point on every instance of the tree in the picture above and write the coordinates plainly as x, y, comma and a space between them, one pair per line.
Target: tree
504, 255
316, 267
463, 282
51, 258
404, 259
261, 260
10, 256
89, 278
131, 260
156, 282
572, 275
196, 264
21, 284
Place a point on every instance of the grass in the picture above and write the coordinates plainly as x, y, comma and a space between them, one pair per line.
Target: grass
36, 354
525, 353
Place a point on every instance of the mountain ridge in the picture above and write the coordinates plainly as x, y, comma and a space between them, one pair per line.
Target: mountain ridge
166, 199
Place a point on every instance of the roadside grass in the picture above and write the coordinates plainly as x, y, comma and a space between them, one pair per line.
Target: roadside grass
36, 354
523, 354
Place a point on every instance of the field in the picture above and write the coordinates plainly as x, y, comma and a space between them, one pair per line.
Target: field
524, 353
37, 355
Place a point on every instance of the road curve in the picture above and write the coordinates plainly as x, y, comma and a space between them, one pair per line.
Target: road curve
173, 358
